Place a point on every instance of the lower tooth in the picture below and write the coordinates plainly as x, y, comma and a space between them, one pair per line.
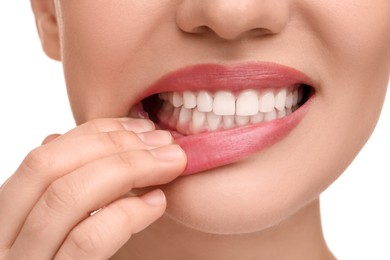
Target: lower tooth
242, 120
282, 113
185, 115
257, 118
184, 118
173, 119
228, 122
198, 120
270, 116
213, 121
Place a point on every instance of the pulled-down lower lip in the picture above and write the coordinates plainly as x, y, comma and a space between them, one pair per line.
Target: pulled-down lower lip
211, 149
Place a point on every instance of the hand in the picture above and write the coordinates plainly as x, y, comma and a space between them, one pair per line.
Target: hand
45, 207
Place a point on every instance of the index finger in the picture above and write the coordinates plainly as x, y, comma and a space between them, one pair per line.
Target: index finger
102, 125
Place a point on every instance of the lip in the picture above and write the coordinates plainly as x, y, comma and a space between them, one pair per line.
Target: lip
214, 149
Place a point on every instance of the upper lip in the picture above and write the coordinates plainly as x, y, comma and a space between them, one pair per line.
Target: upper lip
214, 77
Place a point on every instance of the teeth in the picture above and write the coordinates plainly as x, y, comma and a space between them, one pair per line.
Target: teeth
266, 102
289, 101
280, 99
258, 118
176, 99
228, 122
198, 120
194, 112
270, 116
185, 115
242, 120
295, 98
204, 101
189, 99
213, 121
224, 103
173, 118
247, 103
282, 113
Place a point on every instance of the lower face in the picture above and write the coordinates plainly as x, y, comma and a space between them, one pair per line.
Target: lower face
114, 53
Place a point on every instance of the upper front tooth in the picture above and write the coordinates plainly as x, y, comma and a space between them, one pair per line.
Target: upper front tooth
204, 101
189, 99
177, 99
266, 102
280, 99
224, 103
247, 103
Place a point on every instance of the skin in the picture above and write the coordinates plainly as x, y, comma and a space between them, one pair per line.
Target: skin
112, 51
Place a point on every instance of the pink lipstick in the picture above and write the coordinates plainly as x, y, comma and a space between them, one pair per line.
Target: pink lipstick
209, 149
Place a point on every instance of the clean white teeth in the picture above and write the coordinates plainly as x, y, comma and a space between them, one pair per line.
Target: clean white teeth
266, 102
289, 101
213, 121
176, 99
282, 113
228, 122
242, 120
198, 120
185, 115
194, 112
204, 101
247, 103
189, 99
258, 118
224, 103
270, 116
280, 99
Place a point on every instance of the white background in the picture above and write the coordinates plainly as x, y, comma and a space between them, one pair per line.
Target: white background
33, 104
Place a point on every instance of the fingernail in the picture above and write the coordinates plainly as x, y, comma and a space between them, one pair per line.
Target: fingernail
138, 125
167, 153
156, 138
154, 198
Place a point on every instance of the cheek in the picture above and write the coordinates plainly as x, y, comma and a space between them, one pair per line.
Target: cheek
102, 46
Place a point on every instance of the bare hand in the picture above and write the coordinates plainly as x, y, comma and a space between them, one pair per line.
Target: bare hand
45, 207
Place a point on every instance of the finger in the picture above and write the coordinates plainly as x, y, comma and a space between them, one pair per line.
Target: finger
50, 138
70, 199
104, 233
52, 161
103, 125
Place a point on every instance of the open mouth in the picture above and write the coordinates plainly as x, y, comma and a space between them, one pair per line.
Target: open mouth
193, 112
243, 109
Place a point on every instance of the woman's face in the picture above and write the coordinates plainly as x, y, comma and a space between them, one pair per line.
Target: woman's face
114, 52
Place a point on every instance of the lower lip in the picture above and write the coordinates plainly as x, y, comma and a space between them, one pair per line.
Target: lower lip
210, 150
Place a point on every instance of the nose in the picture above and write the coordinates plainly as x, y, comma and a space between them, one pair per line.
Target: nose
232, 19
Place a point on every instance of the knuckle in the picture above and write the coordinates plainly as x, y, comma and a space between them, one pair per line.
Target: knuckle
122, 214
85, 243
127, 162
60, 196
115, 140
38, 160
